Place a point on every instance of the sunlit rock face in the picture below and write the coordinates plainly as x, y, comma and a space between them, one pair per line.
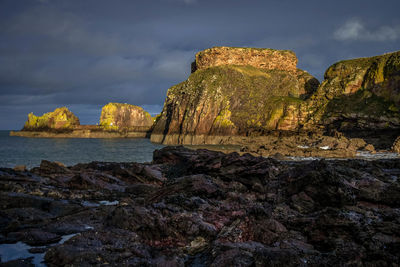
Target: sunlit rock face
59, 119
235, 91
269, 59
361, 93
252, 91
119, 116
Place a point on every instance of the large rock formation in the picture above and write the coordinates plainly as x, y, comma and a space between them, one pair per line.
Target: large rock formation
59, 119
117, 116
225, 97
117, 121
361, 93
247, 92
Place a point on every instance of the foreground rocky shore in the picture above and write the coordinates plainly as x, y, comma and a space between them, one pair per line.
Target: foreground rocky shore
203, 208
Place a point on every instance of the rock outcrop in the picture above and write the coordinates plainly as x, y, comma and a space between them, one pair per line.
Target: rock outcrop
361, 93
225, 97
117, 116
247, 92
203, 208
60, 119
117, 121
261, 58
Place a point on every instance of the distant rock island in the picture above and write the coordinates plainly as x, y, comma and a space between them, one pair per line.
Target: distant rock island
259, 99
117, 120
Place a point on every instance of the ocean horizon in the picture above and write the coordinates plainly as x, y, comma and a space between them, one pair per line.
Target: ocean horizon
30, 152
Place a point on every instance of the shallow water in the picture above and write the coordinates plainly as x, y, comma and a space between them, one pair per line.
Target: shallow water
16, 150
20, 250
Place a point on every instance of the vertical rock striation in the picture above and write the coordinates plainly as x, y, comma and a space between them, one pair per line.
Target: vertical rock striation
251, 91
235, 91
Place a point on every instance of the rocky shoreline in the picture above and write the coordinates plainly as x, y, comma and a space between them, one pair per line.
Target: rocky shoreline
203, 208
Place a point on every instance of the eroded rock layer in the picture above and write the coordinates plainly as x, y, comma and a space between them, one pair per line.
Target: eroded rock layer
261, 58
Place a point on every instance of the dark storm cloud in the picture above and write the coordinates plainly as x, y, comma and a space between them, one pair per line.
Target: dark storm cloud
83, 54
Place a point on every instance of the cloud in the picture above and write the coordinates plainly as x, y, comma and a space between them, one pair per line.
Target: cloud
355, 30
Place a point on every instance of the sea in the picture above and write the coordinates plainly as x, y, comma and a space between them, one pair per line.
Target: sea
15, 150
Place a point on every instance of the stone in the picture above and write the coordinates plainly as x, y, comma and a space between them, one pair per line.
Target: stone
209, 209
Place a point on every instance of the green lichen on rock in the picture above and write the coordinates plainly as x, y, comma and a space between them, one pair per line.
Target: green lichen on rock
59, 119
231, 100
246, 91
359, 93
118, 116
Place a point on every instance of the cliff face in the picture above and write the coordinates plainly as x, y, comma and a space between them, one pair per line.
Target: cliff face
247, 92
224, 100
117, 116
269, 59
361, 93
59, 119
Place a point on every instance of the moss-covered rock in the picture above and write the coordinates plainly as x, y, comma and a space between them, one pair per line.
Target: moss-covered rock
117, 116
250, 91
232, 100
59, 119
361, 93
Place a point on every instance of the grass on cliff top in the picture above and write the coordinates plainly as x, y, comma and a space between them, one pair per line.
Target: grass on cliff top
360, 63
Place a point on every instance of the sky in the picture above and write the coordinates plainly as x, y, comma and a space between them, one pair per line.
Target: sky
85, 54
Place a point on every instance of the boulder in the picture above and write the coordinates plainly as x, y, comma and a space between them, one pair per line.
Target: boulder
59, 119
117, 116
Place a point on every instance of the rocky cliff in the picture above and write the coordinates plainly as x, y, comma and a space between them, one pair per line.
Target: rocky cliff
225, 97
247, 92
360, 93
261, 58
117, 116
60, 119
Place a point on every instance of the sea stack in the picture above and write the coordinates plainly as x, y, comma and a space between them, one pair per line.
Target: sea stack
118, 116
248, 92
60, 119
235, 91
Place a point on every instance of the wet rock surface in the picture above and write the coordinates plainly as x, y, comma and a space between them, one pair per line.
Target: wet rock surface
204, 208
